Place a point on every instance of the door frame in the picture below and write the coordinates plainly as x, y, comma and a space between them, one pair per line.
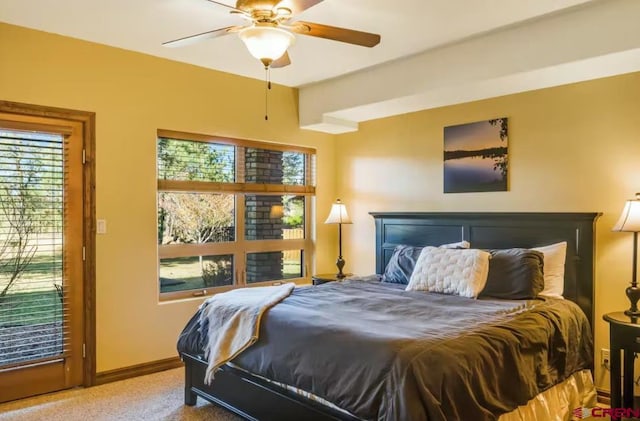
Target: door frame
88, 121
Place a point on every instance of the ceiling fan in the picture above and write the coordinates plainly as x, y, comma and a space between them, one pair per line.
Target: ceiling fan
270, 30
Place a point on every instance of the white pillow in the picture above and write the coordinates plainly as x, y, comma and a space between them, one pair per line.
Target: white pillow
450, 271
554, 259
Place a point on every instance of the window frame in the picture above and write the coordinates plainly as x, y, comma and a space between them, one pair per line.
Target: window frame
240, 247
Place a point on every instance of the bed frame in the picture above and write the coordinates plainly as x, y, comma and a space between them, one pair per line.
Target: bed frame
254, 398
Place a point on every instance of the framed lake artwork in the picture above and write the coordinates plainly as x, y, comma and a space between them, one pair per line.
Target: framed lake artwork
476, 156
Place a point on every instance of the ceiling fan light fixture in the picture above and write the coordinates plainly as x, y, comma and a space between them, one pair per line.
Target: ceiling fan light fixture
266, 43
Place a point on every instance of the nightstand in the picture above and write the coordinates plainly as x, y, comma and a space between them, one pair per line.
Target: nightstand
327, 277
624, 335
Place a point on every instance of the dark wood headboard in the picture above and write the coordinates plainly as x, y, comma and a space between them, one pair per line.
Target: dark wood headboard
489, 230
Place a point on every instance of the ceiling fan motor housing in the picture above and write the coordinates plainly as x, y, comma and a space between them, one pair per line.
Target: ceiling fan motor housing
251, 5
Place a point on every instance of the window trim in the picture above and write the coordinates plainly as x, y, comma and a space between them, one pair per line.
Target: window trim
240, 247
218, 187
172, 134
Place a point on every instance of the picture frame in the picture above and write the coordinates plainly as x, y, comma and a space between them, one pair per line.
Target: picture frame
476, 156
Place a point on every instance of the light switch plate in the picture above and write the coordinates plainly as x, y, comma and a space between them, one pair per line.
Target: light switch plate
101, 226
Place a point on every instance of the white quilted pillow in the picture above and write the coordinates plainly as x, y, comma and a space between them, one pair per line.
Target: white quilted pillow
450, 271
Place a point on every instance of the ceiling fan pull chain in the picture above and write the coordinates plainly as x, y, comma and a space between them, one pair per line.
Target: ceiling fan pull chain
267, 86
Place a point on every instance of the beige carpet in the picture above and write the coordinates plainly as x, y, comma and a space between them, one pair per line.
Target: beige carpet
157, 396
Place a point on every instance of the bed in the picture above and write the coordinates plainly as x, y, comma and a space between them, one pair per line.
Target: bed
267, 394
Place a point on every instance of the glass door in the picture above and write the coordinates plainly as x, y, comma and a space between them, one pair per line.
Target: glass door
41, 256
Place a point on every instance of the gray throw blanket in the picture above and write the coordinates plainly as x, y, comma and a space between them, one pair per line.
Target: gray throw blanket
234, 321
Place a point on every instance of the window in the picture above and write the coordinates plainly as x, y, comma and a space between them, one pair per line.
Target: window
231, 213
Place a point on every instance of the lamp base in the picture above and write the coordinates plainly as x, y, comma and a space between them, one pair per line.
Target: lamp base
340, 265
631, 313
633, 293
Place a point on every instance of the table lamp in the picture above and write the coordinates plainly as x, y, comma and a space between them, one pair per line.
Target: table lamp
630, 222
338, 215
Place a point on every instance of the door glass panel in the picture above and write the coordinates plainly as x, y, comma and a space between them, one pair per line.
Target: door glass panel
31, 233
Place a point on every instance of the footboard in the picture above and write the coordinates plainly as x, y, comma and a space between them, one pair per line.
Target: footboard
251, 397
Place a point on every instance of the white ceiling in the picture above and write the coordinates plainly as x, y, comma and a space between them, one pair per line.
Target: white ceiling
407, 27
433, 52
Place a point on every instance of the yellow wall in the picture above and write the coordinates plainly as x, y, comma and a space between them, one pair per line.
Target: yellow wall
133, 95
573, 148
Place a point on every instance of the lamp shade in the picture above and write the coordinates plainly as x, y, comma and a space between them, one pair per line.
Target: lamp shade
266, 43
338, 214
630, 218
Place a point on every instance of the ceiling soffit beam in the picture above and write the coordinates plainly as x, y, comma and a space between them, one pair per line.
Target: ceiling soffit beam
599, 40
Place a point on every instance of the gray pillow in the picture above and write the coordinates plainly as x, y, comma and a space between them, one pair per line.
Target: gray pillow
401, 264
515, 274
403, 261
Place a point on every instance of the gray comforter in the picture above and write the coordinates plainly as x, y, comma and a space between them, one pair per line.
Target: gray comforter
382, 353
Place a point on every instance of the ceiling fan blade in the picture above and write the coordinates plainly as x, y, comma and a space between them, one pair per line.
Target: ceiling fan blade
298, 6
349, 36
283, 61
192, 39
227, 6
